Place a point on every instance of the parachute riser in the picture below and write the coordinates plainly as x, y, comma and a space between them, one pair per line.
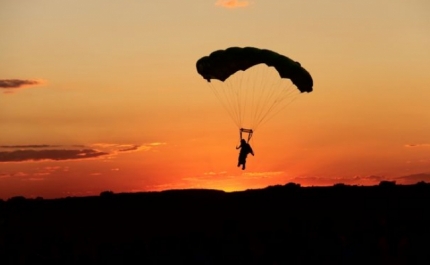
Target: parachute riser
248, 131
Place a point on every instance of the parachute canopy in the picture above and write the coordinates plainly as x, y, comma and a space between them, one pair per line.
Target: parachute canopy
253, 84
221, 64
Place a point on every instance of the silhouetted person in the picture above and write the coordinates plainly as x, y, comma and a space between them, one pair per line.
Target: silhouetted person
245, 149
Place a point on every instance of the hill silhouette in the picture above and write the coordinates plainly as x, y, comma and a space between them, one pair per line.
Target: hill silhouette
282, 224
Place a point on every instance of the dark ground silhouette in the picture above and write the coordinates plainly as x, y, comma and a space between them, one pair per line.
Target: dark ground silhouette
289, 224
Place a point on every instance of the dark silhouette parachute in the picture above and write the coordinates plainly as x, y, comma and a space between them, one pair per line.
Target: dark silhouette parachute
253, 84
222, 64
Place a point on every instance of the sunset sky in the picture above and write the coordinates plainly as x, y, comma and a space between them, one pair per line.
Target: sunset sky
104, 95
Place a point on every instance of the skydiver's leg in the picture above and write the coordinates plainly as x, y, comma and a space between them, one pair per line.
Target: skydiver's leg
241, 161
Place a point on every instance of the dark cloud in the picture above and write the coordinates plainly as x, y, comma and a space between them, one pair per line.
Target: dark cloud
10, 85
17, 83
38, 152
27, 146
49, 154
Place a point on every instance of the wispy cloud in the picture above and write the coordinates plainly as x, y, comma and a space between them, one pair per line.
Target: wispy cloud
161, 187
115, 149
413, 178
212, 173
48, 170
361, 180
35, 179
208, 176
232, 3
329, 181
22, 153
11, 85
212, 177
417, 145
259, 175
37, 174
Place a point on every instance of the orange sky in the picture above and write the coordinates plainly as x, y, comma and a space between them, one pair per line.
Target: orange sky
98, 95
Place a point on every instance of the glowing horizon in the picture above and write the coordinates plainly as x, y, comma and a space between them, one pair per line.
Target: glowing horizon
99, 96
